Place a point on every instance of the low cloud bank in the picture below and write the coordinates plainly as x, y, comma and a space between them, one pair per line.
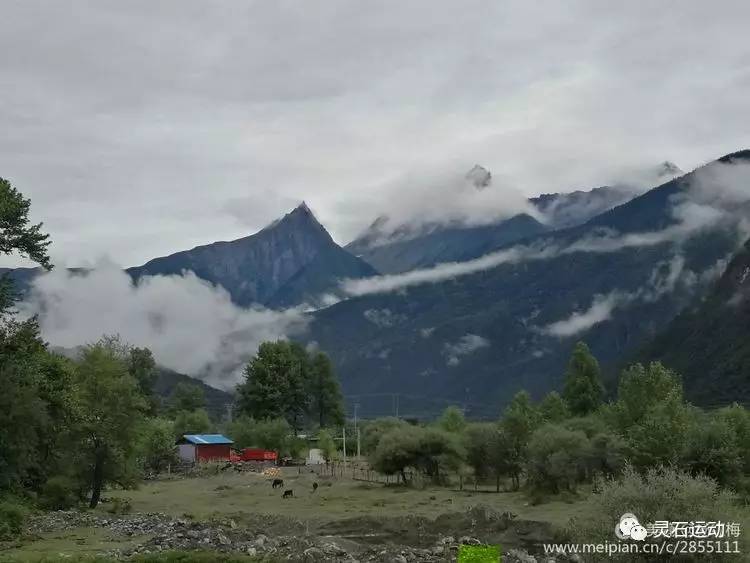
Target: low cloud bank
663, 280
600, 310
420, 202
191, 326
719, 192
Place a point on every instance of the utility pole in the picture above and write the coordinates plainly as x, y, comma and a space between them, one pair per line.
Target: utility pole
344, 439
356, 426
359, 453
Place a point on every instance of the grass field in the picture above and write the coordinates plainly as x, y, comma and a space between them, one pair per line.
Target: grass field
233, 493
341, 507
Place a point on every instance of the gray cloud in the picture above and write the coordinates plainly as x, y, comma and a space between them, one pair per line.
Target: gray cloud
600, 310
191, 326
142, 128
467, 344
383, 317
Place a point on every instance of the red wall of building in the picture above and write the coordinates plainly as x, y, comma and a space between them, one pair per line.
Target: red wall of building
207, 452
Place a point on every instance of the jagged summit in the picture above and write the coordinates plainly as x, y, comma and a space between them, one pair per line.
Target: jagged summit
300, 217
254, 268
669, 168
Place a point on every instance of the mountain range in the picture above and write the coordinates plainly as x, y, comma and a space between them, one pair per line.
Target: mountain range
400, 248
476, 339
495, 307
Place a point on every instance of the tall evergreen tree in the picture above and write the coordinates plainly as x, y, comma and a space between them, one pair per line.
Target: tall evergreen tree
583, 386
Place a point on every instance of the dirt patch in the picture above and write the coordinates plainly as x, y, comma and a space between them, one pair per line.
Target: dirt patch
483, 523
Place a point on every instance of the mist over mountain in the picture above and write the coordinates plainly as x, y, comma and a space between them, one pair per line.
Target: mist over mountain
457, 312
709, 342
615, 281
399, 248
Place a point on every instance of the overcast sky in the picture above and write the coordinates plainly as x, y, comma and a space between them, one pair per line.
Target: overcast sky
143, 128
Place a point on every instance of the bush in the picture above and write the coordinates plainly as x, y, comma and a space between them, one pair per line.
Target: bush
58, 493
12, 518
557, 458
659, 494
428, 450
373, 431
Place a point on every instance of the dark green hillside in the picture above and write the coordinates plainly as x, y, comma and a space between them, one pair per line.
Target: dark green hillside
709, 344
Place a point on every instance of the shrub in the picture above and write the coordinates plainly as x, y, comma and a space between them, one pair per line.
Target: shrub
58, 493
557, 458
659, 494
12, 518
428, 450
608, 454
373, 431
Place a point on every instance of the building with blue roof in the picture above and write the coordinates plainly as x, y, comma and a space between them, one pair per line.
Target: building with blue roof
204, 447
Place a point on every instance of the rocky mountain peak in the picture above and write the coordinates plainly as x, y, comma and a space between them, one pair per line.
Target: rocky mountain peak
301, 220
479, 177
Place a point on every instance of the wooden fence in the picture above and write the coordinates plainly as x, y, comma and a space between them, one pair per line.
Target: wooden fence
360, 471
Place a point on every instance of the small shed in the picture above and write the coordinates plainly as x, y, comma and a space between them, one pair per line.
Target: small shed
204, 447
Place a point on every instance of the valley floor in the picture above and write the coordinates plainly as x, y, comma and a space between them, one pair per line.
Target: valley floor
343, 520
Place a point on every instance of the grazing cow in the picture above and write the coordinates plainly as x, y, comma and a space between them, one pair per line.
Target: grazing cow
289, 493
277, 483
315, 486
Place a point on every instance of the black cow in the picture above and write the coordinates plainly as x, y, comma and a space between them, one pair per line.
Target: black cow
315, 486
289, 493
277, 483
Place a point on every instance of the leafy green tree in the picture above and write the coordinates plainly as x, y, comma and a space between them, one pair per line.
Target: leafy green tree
583, 390
156, 444
714, 449
738, 419
191, 422
374, 430
142, 367
35, 406
608, 455
641, 389
327, 445
326, 401
274, 385
553, 408
187, 397
109, 407
477, 439
17, 234
661, 435
428, 450
452, 420
396, 451
557, 458
270, 434
31, 408
519, 421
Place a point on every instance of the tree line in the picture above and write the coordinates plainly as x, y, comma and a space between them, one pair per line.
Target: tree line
571, 438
